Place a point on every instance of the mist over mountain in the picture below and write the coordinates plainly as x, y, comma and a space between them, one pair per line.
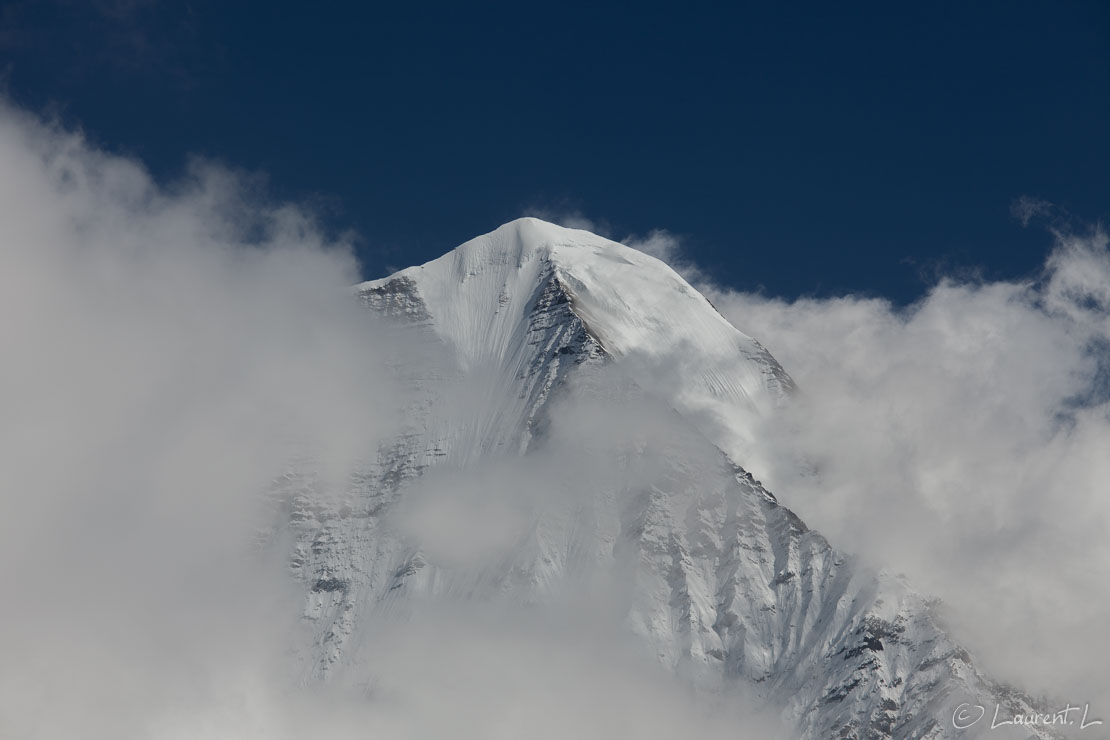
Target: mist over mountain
543, 485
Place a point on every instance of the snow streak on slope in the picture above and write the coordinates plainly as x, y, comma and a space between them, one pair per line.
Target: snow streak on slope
587, 422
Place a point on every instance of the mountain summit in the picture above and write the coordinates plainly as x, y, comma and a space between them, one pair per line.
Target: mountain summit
484, 296
554, 348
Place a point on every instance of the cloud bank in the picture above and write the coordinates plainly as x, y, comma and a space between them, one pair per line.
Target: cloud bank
965, 441
166, 351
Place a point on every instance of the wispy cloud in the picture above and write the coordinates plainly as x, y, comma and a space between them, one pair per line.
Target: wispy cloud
570, 217
1028, 207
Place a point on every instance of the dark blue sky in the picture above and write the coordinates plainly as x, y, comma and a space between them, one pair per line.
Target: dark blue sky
807, 149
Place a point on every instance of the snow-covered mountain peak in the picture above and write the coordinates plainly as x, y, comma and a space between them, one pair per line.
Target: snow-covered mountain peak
517, 475
627, 298
482, 297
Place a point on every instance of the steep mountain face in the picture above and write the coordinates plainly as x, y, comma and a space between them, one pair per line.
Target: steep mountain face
544, 335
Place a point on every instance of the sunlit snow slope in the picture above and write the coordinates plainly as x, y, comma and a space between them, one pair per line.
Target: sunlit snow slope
541, 333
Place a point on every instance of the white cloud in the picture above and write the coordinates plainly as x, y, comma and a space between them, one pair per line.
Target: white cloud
962, 440
568, 670
166, 350
665, 246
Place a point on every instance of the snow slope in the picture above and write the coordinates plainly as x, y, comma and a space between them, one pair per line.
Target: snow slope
548, 332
